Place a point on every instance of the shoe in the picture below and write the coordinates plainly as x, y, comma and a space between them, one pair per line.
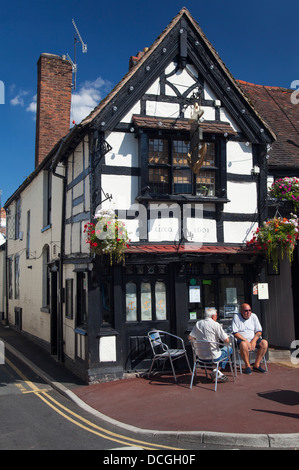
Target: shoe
259, 369
248, 371
222, 379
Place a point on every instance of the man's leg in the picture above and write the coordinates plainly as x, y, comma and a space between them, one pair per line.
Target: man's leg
244, 352
261, 351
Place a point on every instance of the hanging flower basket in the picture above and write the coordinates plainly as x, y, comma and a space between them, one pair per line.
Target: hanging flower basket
276, 237
107, 236
286, 189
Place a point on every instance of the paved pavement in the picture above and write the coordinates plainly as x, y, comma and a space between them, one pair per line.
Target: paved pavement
260, 410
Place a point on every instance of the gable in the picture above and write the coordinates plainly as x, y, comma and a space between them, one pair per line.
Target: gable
183, 53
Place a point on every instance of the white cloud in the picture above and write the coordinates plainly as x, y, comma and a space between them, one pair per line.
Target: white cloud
18, 100
87, 97
32, 106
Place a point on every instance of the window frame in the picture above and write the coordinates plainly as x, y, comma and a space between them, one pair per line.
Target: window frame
139, 281
219, 168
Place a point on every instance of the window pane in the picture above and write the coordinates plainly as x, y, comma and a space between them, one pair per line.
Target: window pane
210, 155
159, 180
146, 301
205, 183
158, 151
160, 294
180, 149
131, 302
107, 304
231, 293
182, 182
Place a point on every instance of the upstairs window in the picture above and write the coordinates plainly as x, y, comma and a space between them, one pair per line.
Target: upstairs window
169, 172
166, 170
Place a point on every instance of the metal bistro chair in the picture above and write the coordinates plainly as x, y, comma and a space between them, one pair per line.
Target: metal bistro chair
161, 351
205, 349
252, 354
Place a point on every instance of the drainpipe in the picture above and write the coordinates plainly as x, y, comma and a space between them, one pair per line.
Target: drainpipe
6, 273
60, 351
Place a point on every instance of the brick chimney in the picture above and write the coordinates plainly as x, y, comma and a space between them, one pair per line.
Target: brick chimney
54, 90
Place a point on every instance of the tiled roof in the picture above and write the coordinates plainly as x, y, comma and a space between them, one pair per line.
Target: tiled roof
182, 124
188, 248
276, 107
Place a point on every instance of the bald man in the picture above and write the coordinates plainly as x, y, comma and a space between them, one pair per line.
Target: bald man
247, 330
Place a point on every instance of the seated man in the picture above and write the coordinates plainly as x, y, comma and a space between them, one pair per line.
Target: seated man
248, 332
209, 329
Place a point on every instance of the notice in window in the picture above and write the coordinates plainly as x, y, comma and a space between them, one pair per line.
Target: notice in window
231, 295
263, 293
194, 294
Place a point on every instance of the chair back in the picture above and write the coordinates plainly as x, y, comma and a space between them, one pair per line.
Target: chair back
156, 341
203, 350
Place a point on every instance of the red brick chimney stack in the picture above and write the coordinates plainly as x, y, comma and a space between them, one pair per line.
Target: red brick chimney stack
54, 90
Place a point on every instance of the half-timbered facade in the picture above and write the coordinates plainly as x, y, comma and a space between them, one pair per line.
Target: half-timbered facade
178, 152
188, 220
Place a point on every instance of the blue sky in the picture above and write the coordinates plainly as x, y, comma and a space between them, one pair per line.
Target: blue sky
257, 40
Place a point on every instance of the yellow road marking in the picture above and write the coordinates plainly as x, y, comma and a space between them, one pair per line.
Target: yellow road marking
98, 430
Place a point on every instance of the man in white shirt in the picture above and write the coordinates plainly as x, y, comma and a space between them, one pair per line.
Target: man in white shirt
248, 332
209, 330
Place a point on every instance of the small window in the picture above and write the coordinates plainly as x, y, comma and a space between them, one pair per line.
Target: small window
81, 299
17, 276
205, 180
160, 298
131, 302
146, 301
69, 298
107, 304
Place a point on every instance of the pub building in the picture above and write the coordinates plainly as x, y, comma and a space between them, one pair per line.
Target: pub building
178, 152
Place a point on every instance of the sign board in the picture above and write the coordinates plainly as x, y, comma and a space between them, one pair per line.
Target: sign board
194, 294
262, 289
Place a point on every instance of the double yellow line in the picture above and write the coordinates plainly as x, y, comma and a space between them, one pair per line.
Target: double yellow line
79, 420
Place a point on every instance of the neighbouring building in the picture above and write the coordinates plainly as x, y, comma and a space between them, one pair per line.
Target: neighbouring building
173, 150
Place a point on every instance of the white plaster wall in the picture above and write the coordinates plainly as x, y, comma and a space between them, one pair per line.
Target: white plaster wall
242, 196
238, 232
134, 110
166, 110
124, 190
34, 321
239, 158
124, 149
225, 116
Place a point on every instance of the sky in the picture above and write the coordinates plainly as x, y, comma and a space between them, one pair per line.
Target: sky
257, 40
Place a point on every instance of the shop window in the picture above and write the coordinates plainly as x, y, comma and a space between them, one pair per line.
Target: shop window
131, 301
160, 298
146, 301
231, 295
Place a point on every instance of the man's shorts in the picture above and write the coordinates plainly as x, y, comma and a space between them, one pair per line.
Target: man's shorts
257, 343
